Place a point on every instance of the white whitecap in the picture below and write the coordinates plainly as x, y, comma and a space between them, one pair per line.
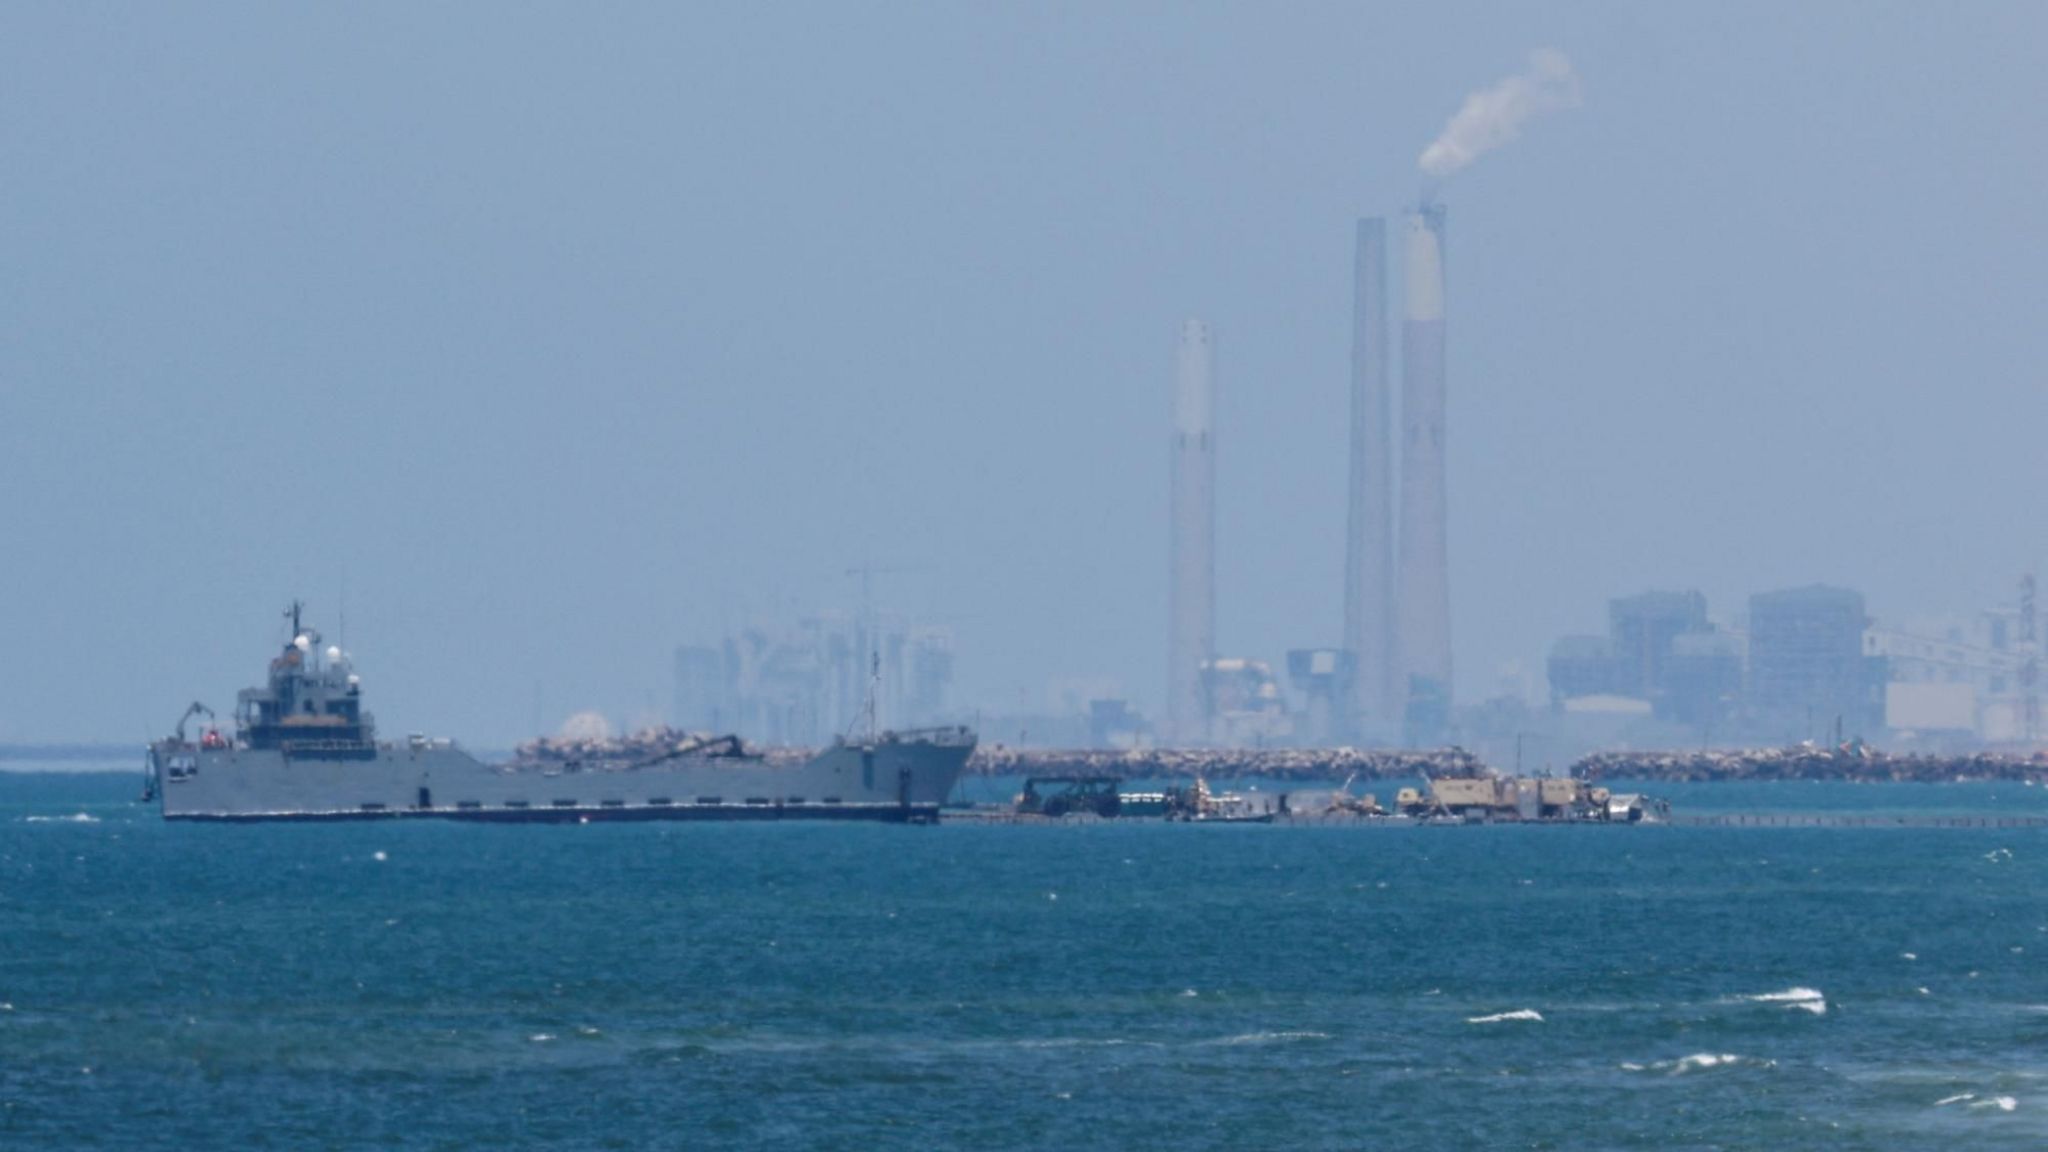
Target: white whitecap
74, 818
1804, 999
1958, 1098
1272, 1037
1700, 1060
2002, 1103
1529, 1014
541, 1037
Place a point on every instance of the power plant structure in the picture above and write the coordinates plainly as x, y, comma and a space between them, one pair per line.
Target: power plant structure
1191, 580
1397, 598
1423, 590
1373, 700
1395, 666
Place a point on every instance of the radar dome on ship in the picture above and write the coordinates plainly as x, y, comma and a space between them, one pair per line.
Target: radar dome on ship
303, 643
333, 652
589, 725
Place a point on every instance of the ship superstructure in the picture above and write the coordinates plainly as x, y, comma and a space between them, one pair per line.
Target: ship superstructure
304, 748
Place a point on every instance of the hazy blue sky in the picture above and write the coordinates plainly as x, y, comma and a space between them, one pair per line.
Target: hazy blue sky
561, 334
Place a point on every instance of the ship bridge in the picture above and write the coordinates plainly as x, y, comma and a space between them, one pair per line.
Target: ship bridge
312, 702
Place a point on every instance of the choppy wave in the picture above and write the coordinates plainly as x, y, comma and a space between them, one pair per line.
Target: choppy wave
74, 818
1086, 1042
1270, 1038
1698, 1061
1970, 1100
1529, 1014
1804, 999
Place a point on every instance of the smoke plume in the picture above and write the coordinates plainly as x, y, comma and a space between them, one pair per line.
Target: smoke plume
1493, 116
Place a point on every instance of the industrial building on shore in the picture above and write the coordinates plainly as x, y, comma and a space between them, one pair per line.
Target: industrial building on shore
1801, 664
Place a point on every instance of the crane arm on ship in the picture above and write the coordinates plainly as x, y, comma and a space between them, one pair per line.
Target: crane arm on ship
191, 710
716, 746
1341, 798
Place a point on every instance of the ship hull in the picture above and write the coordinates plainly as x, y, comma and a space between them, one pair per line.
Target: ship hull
891, 780
871, 813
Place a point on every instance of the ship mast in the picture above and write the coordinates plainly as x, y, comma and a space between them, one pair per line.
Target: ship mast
874, 689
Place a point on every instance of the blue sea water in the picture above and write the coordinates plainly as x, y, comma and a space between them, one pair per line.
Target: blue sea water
427, 985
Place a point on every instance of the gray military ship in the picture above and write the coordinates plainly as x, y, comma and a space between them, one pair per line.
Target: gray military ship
303, 748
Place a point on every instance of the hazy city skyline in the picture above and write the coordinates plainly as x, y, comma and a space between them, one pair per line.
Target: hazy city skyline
550, 343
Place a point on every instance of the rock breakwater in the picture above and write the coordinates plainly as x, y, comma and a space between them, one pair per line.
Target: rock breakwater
1228, 763
1851, 763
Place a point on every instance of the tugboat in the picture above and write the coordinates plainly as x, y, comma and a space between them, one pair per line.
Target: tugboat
304, 748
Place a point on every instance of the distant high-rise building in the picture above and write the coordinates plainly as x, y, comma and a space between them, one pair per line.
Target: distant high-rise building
1642, 628
1424, 600
1701, 682
1583, 666
1244, 703
1808, 673
1113, 724
807, 683
1660, 650
700, 702
928, 675
1191, 581
1960, 677
1374, 701
1320, 676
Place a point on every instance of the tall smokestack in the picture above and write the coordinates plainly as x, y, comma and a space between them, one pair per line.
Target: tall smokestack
1191, 642
1369, 532
1425, 599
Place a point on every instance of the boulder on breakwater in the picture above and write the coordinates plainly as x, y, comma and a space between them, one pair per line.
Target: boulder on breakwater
1853, 762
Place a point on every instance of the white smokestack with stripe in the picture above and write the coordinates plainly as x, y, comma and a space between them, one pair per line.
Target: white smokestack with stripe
1424, 588
1191, 591
1369, 531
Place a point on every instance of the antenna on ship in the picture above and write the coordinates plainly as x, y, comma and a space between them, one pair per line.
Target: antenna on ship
868, 636
865, 635
874, 689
